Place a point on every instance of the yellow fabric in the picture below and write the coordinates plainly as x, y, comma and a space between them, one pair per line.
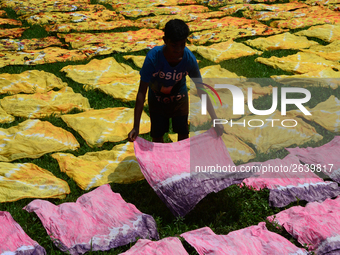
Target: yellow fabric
18, 181
217, 3
31, 81
12, 32
3, 13
5, 117
281, 41
123, 5
273, 138
137, 60
34, 138
94, 169
105, 125
328, 33
41, 105
14, 3
29, 44
299, 63
226, 50
230, 9
330, 51
4, 21
321, 2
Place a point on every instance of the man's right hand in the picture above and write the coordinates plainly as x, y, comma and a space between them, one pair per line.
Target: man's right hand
133, 135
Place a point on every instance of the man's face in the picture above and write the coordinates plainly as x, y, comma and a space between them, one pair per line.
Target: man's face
175, 49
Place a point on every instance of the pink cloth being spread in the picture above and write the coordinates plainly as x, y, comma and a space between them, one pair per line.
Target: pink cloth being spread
166, 246
13, 239
324, 158
176, 170
98, 220
288, 180
254, 240
317, 224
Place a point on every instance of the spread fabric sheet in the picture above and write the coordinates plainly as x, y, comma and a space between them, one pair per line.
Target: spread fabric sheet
87, 225
252, 240
268, 7
34, 138
12, 32
327, 32
105, 125
132, 4
14, 240
14, 22
170, 176
29, 82
27, 180
288, 182
5, 117
330, 51
29, 44
137, 60
94, 169
316, 224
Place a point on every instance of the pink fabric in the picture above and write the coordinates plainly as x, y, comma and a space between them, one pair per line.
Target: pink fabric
13, 239
166, 246
255, 240
317, 224
166, 167
98, 220
323, 155
288, 180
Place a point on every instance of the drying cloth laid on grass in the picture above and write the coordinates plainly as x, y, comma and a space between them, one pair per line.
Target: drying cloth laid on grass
12, 32
324, 158
40, 105
14, 240
272, 135
3, 13
94, 169
118, 80
288, 181
13, 3
282, 41
167, 168
253, 240
105, 125
225, 50
330, 51
137, 60
18, 181
327, 32
268, 7
34, 138
217, 3
98, 221
5, 117
301, 62
166, 246
132, 4
14, 22
31, 81
316, 224
29, 44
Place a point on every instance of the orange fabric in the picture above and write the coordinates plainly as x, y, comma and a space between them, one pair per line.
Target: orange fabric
29, 44
12, 32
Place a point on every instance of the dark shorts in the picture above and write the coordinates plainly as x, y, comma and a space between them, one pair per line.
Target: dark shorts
160, 125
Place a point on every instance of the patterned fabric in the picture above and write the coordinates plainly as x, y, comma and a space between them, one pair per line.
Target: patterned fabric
12, 32
328, 33
330, 51
29, 44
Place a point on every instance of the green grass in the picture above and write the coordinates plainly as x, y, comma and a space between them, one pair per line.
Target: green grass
228, 210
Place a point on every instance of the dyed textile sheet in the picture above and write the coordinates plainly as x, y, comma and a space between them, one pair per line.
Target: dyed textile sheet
166, 10
14, 22
31, 81
121, 5
226, 50
18, 181
272, 135
316, 224
12, 32
324, 158
14, 240
97, 168
34, 138
335, 7
330, 51
105, 125
13, 3
170, 176
328, 33
116, 79
5, 117
252, 240
166, 246
89, 225
217, 3
137, 60
282, 41
78, 40
322, 2
263, 7
29, 44
60, 7
40, 105
299, 63
3, 13
288, 181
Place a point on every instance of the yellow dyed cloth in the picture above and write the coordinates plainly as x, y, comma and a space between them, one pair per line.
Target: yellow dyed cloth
335, 7
123, 5
328, 33
34, 138
29, 44
31, 81
226, 50
41, 105
43, 56
322, 2
5, 117
92, 25
18, 181
60, 7
137, 60
217, 3
12, 32
299, 63
272, 135
78, 40
330, 51
281, 41
105, 125
94, 169
13, 3
166, 10
4, 21
3, 13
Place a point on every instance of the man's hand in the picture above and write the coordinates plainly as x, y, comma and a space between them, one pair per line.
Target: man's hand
133, 135
219, 129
